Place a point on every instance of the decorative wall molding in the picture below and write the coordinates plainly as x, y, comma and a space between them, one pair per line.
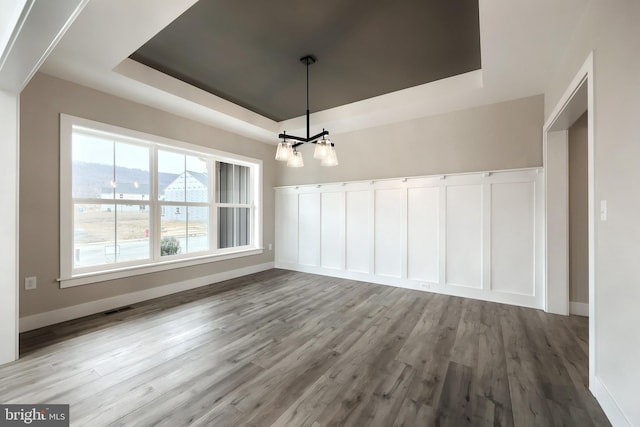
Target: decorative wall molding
476, 235
40, 320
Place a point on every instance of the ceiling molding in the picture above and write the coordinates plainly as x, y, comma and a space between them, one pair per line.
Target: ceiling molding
35, 28
190, 101
521, 44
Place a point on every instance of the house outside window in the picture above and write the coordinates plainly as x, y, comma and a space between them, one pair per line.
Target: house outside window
133, 201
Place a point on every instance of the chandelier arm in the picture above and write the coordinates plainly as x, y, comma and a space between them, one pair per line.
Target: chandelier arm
312, 139
297, 138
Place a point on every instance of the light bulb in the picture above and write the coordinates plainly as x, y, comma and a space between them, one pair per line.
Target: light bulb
296, 160
331, 159
322, 149
284, 151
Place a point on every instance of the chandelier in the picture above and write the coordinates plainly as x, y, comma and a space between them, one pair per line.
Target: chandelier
288, 151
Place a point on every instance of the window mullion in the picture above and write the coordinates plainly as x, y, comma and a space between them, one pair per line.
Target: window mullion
234, 205
186, 207
154, 217
252, 202
115, 207
213, 205
96, 201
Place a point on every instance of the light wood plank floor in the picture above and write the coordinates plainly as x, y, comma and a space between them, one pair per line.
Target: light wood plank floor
292, 349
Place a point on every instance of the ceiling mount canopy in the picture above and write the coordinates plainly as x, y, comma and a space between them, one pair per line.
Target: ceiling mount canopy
325, 151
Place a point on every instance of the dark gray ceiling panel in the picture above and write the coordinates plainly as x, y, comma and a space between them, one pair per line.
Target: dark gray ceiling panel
247, 51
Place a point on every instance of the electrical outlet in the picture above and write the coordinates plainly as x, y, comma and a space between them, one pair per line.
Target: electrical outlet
270, 246
425, 285
30, 283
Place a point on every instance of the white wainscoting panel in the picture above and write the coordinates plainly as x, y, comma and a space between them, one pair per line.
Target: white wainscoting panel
464, 235
475, 235
357, 232
423, 240
512, 237
287, 225
388, 230
332, 230
309, 229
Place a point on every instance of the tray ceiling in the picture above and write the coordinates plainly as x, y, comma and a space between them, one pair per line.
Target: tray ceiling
248, 51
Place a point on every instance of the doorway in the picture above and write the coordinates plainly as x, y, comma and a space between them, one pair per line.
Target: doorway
577, 99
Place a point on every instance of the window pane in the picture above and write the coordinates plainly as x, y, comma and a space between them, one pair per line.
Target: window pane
243, 226
225, 227
236, 184
94, 235
171, 176
243, 187
233, 183
173, 234
132, 172
234, 227
132, 232
198, 228
92, 167
225, 182
197, 182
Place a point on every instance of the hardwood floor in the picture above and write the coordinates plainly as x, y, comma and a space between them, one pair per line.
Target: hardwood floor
291, 349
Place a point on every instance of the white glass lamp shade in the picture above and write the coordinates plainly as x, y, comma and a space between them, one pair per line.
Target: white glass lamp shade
284, 152
331, 159
322, 149
296, 160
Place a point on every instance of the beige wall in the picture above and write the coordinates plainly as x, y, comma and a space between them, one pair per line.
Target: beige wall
578, 213
41, 103
499, 136
610, 30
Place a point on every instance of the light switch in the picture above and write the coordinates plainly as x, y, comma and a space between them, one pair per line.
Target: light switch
30, 283
603, 210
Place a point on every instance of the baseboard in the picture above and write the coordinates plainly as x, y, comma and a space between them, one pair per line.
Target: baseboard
452, 290
579, 308
610, 406
52, 317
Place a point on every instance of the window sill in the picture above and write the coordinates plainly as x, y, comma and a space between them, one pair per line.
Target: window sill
102, 276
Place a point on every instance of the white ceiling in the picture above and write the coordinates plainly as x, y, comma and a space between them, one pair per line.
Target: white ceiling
521, 43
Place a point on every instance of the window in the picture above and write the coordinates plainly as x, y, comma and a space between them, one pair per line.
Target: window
133, 202
233, 196
186, 202
110, 182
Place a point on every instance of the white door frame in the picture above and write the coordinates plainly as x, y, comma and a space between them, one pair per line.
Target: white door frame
569, 107
9, 163
36, 26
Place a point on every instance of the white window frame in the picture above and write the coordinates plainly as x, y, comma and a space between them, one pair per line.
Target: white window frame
79, 276
252, 212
